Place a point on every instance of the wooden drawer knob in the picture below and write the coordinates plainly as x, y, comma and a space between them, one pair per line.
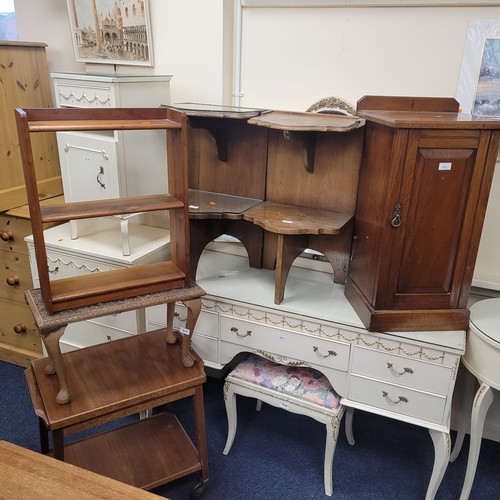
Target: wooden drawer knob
20, 328
12, 280
7, 235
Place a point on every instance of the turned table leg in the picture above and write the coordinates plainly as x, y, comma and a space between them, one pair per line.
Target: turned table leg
171, 338
56, 363
201, 438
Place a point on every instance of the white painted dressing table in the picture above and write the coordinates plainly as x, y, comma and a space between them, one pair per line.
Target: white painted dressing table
409, 376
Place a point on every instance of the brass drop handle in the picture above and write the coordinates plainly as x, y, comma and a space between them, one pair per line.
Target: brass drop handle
329, 353
7, 235
247, 334
396, 216
401, 399
390, 366
12, 280
20, 328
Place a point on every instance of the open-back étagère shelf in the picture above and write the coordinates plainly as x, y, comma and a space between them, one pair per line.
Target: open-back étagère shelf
80, 291
280, 182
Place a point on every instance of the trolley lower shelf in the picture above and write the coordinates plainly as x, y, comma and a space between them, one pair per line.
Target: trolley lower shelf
145, 454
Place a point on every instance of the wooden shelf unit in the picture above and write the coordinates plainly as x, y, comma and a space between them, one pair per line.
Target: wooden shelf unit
67, 293
288, 181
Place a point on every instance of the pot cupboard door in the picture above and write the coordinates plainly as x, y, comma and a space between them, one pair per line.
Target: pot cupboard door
434, 220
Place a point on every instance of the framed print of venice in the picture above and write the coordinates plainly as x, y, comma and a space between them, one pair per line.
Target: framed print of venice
487, 98
111, 31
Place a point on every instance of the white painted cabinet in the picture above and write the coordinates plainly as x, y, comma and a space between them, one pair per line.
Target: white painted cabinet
110, 165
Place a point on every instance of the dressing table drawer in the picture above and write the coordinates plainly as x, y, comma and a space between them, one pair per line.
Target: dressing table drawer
312, 349
401, 370
397, 399
91, 332
205, 337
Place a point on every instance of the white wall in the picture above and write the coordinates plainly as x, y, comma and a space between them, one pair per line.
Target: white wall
292, 57
187, 39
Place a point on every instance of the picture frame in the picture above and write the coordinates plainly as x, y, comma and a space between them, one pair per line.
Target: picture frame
478, 90
111, 31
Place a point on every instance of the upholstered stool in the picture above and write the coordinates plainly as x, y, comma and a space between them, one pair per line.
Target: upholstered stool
481, 358
296, 389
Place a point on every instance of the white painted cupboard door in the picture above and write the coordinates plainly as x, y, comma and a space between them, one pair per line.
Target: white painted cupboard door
89, 166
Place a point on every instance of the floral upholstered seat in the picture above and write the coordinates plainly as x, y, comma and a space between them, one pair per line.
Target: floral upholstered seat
300, 382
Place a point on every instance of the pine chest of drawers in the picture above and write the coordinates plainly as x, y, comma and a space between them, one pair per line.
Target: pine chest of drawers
19, 339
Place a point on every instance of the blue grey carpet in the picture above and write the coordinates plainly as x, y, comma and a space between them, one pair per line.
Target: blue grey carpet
278, 455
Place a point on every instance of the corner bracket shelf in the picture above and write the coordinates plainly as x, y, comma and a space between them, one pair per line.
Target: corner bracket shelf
303, 128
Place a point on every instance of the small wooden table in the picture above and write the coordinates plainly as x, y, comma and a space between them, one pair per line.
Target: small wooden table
52, 326
25, 474
116, 379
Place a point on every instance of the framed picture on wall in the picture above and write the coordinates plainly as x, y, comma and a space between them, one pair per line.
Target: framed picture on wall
478, 90
111, 31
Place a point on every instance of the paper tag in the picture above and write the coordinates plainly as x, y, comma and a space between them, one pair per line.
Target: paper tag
444, 165
287, 221
183, 331
194, 207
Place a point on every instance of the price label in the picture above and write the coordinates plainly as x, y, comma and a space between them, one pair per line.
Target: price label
444, 165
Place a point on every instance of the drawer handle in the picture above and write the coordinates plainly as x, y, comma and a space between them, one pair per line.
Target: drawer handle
401, 399
20, 328
99, 176
178, 316
7, 235
12, 280
54, 271
330, 353
395, 372
235, 330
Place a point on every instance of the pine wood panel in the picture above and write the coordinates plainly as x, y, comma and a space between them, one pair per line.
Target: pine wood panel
15, 314
25, 83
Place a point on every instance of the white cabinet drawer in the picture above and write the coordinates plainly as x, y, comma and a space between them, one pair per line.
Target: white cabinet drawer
65, 266
401, 370
207, 324
207, 348
397, 399
83, 95
89, 333
324, 352
205, 337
